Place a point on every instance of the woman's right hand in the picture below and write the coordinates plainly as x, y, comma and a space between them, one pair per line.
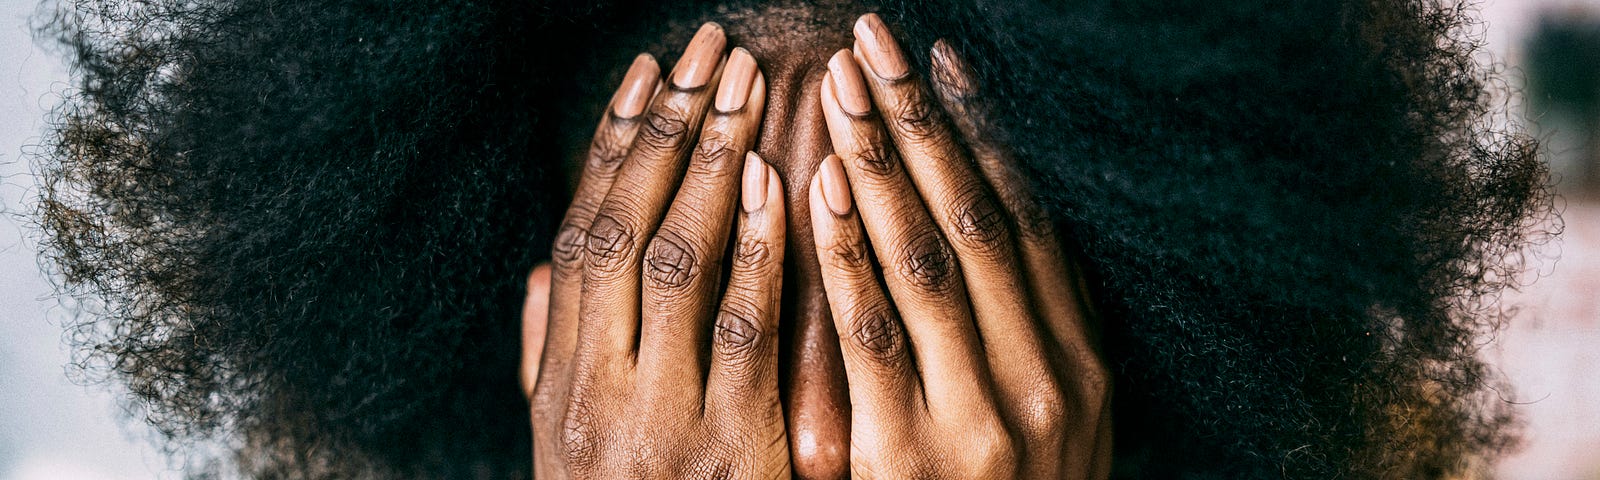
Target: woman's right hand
654, 365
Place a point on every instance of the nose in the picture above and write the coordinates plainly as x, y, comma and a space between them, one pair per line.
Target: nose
794, 139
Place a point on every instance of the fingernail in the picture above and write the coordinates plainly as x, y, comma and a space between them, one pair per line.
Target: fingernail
882, 53
637, 86
950, 72
835, 187
755, 183
774, 182
848, 86
700, 59
737, 79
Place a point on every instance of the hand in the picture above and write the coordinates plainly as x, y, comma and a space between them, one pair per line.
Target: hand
636, 292
976, 362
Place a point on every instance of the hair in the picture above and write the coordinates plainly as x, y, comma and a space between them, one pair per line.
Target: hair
299, 230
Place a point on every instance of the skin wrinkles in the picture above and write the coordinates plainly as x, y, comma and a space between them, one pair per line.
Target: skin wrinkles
275, 237
794, 48
792, 44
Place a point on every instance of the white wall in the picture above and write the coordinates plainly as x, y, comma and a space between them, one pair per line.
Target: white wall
50, 429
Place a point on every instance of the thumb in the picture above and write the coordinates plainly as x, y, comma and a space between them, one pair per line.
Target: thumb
535, 320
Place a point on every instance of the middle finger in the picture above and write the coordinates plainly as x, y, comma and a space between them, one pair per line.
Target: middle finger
920, 269
634, 207
968, 213
684, 260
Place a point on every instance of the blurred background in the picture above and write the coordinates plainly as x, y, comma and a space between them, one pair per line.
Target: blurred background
1551, 351
53, 429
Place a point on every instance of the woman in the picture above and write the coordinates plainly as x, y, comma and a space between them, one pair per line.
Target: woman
309, 226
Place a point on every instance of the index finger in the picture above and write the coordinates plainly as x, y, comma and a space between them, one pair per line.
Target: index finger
963, 206
612, 138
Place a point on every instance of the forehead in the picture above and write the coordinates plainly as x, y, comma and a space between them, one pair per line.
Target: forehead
783, 36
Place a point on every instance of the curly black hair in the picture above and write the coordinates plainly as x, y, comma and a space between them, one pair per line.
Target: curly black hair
299, 230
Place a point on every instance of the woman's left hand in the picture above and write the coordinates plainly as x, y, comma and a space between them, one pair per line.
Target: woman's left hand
977, 362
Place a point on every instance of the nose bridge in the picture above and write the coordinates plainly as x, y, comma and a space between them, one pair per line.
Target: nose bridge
793, 134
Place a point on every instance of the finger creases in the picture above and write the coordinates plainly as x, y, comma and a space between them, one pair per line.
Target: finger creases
613, 139
744, 360
682, 264
1048, 270
967, 211
633, 208
877, 355
920, 270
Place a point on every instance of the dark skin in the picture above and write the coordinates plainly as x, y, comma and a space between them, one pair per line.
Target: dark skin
951, 348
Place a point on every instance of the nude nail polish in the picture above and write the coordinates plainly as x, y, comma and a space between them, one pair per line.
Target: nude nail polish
700, 58
774, 182
879, 48
738, 77
835, 187
754, 190
848, 85
637, 87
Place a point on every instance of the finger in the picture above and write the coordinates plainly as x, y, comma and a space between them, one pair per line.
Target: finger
1047, 267
744, 347
535, 321
877, 360
1056, 286
611, 143
919, 268
633, 208
968, 213
1056, 289
682, 266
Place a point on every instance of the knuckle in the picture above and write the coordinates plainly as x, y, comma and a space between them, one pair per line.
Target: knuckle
928, 264
992, 452
609, 243
818, 462
737, 334
664, 128
978, 220
848, 255
580, 437
917, 118
752, 254
1042, 414
715, 148
606, 153
567, 251
876, 157
1094, 385
670, 262
711, 466
549, 399
877, 332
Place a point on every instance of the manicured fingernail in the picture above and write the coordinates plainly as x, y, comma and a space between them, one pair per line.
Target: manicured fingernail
637, 86
950, 73
882, 53
774, 183
755, 183
700, 59
835, 187
848, 86
737, 79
